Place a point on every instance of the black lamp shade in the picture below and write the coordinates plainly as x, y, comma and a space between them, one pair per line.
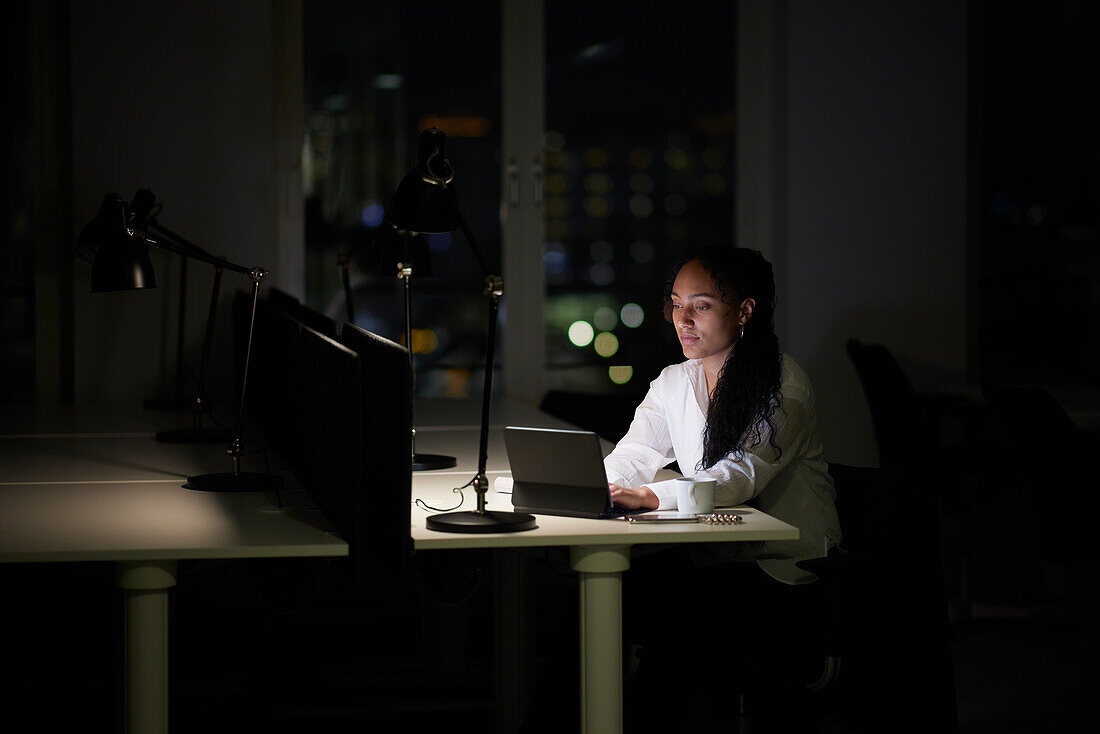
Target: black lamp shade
419, 206
122, 265
422, 202
120, 259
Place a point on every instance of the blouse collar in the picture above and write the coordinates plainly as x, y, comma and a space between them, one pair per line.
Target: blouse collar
698, 379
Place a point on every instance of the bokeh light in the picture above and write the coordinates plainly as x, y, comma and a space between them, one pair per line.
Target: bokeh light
641, 206
597, 207
632, 315
555, 259
557, 183
641, 158
595, 157
605, 319
620, 374
598, 183
677, 159
714, 184
675, 205
601, 274
606, 344
581, 333
372, 214
557, 206
424, 341
602, 251
553, 140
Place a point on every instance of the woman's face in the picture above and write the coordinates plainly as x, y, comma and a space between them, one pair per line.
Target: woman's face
707, 327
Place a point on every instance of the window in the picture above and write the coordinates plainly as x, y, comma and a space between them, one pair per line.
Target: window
639, 170
376, 74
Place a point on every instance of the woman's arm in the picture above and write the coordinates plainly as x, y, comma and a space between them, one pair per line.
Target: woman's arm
645, 449
741, 481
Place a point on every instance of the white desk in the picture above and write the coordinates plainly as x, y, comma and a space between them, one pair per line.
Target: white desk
70, 492
599, 550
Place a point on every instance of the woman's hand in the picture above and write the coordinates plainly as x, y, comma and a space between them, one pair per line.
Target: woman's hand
634, 499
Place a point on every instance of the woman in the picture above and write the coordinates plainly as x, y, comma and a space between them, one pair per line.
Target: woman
736, 411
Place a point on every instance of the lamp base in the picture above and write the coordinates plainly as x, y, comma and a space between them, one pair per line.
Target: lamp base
230, 482
489, 521
193, 434
428, 462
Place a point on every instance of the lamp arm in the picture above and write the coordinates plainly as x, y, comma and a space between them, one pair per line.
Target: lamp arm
167, 243
191, 249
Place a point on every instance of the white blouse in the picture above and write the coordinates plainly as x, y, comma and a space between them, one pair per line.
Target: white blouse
793, 486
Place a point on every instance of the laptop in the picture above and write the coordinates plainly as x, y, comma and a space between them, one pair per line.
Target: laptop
559, 472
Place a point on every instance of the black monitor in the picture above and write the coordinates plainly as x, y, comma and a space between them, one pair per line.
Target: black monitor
273, 399
310, 317
330, 435
386, 409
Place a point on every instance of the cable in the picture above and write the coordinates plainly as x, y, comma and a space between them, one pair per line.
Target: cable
428, 508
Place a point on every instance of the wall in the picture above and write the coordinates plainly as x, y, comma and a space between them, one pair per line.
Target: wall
875, 210
181, 98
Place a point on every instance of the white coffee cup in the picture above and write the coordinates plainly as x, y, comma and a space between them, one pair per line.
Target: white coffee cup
695, 496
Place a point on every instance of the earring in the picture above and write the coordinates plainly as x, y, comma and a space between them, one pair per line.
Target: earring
741, 335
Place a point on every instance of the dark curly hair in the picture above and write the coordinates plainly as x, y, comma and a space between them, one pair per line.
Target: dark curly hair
747, 393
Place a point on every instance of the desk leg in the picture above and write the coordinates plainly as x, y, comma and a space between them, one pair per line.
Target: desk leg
601, 593
145, 586
513, 672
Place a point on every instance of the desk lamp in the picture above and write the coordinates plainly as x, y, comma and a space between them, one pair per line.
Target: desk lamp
170, 398
412, 256
425, 203
122, 262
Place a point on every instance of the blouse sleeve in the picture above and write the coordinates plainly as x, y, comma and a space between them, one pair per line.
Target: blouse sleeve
645, 449
741, 481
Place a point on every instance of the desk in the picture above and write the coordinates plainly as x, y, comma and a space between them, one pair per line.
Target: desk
70, 490
599, 550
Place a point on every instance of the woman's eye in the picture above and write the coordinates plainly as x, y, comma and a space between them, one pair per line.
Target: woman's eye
702, 307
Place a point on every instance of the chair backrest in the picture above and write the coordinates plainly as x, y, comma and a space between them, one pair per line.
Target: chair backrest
901, 429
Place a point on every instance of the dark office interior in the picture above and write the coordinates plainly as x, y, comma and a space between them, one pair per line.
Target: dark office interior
923, 176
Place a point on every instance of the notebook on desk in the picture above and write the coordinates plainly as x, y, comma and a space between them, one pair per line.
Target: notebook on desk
559, 472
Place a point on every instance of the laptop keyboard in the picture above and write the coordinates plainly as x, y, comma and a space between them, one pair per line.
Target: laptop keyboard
622, 512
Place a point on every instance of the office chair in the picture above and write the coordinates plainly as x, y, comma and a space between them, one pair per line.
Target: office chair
887, 658
907, 424
910, 436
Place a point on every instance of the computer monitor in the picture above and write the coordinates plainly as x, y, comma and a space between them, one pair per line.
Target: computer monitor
311, 317
273, 402
386, 410
330, 435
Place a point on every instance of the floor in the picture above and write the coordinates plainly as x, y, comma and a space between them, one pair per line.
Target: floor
287, 646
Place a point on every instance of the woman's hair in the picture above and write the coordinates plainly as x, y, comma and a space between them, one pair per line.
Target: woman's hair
748, 387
